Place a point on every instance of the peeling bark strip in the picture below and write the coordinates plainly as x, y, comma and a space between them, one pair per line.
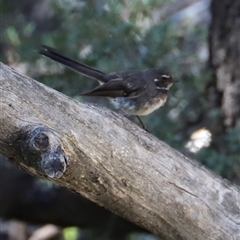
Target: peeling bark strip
115, 163
42, 150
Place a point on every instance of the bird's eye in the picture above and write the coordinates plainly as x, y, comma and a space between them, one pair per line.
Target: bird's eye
165, 77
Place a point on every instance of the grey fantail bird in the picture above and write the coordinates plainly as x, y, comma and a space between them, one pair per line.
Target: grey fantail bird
133, 92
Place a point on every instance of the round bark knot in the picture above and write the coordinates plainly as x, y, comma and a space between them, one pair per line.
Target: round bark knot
42, 150
41, 142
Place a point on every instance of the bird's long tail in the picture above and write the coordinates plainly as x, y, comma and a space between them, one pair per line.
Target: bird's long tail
77, 66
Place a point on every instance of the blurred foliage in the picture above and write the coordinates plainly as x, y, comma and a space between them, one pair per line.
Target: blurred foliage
70, 233
223, 155
141, 236
118, 35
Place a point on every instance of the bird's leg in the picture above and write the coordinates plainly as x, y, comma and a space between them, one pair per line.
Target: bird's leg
139, 119
142, 124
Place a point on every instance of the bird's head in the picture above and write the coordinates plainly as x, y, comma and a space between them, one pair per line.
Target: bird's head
164, 80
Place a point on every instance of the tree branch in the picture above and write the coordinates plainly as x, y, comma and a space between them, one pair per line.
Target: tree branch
25, 198
113, 162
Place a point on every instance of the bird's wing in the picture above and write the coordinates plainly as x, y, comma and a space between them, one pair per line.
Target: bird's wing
114, 88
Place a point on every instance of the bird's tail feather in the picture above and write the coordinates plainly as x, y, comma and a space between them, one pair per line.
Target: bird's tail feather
77, 66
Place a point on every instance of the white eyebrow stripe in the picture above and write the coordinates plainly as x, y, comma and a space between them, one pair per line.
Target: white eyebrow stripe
166, 76
162, 88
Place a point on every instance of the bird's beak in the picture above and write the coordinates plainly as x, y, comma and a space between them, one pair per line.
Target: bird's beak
175, 80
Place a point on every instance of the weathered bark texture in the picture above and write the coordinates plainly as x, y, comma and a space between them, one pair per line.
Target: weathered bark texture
113, 162
25, 198
225, 56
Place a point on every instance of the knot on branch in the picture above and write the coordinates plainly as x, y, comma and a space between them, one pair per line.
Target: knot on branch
42, 150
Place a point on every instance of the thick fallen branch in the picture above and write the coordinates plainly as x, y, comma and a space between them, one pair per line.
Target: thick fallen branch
48, 203
111, 161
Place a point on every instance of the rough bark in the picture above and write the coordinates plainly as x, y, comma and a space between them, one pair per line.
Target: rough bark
113, 162
224, 43
26, 198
